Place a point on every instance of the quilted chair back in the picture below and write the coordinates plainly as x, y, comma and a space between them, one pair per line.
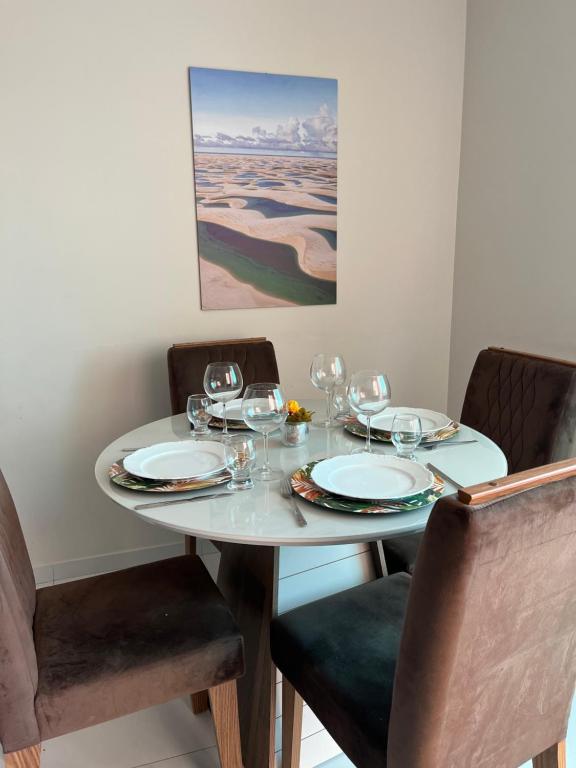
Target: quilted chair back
18, 668
187, 364
525, 403
487, 662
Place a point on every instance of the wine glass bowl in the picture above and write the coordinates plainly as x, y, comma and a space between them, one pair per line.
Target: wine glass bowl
327, 372
223, 382
369, 393
264, 410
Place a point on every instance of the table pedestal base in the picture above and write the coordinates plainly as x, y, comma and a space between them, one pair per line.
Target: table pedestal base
248, 579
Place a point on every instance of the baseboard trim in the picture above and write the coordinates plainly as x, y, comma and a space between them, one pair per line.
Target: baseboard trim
53, 573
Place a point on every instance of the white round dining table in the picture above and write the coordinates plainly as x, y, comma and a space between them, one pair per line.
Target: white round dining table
251, 527
262, 516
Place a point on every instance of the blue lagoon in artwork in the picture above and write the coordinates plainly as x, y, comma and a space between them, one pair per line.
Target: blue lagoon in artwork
266, 188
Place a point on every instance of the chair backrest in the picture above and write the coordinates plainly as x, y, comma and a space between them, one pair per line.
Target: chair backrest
18, 668
525, 403
487, 662
187, 364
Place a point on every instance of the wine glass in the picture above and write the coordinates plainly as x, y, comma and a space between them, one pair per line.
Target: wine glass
326, 373
264, 410
223, 382
198, 415
406, 434
369, 393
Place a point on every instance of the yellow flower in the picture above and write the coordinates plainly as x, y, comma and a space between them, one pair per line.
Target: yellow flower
293, 406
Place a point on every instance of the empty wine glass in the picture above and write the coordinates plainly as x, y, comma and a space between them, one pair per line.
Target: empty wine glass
406, 434
369, 393
326, 373
223, 382
340, 401
198, 415
240, 458
264, 410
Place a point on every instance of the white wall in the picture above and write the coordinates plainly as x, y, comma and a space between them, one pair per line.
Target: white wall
97, 238
515, 273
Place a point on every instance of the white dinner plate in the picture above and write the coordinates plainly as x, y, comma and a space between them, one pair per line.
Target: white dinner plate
233, 410
372, 476
432, 421
182, 460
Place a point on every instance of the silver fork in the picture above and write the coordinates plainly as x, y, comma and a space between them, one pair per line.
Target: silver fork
288, 493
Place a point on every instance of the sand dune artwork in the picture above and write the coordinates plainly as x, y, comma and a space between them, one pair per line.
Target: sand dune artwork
266, 188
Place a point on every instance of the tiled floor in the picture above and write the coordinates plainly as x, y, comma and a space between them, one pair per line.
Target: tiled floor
168, 736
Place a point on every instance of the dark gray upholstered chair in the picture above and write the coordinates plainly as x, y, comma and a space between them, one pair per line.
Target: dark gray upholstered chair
87, 651
187, 364
526, 404
471, 663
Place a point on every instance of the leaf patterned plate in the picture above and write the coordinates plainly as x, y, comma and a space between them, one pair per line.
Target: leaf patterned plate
219, 424
304, 486
119, 476
355, 428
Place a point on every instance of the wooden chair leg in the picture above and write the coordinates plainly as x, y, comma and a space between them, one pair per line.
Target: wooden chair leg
200, 702
24, 758
292, 705
224, 705
555, 757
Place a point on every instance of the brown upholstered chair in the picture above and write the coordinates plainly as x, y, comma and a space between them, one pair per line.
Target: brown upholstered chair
471, 663
526, 404
87, 651
187, 364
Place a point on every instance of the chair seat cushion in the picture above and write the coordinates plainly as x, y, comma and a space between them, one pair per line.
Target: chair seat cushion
401, 553
340, 654
113, 644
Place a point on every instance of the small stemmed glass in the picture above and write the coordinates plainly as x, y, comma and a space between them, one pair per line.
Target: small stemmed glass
223, 382
369, 393
198, 415
264, 410
240, 458
406, 434
326, 373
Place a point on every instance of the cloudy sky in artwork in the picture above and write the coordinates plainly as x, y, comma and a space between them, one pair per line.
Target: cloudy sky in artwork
249, 110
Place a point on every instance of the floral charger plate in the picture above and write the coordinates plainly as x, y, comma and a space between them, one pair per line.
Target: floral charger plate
304, 486
232, 424
352, 425
119, 476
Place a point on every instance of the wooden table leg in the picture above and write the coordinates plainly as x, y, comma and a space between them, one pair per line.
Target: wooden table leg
199, 700
248, 579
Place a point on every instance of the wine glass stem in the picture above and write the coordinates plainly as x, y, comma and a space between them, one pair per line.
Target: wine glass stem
368, 440
329, 396
266, 461
225, 430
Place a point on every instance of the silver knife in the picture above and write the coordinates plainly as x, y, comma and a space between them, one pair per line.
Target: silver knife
444, 476
152, 504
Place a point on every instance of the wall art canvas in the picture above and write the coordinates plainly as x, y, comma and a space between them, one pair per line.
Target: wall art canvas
265, 178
